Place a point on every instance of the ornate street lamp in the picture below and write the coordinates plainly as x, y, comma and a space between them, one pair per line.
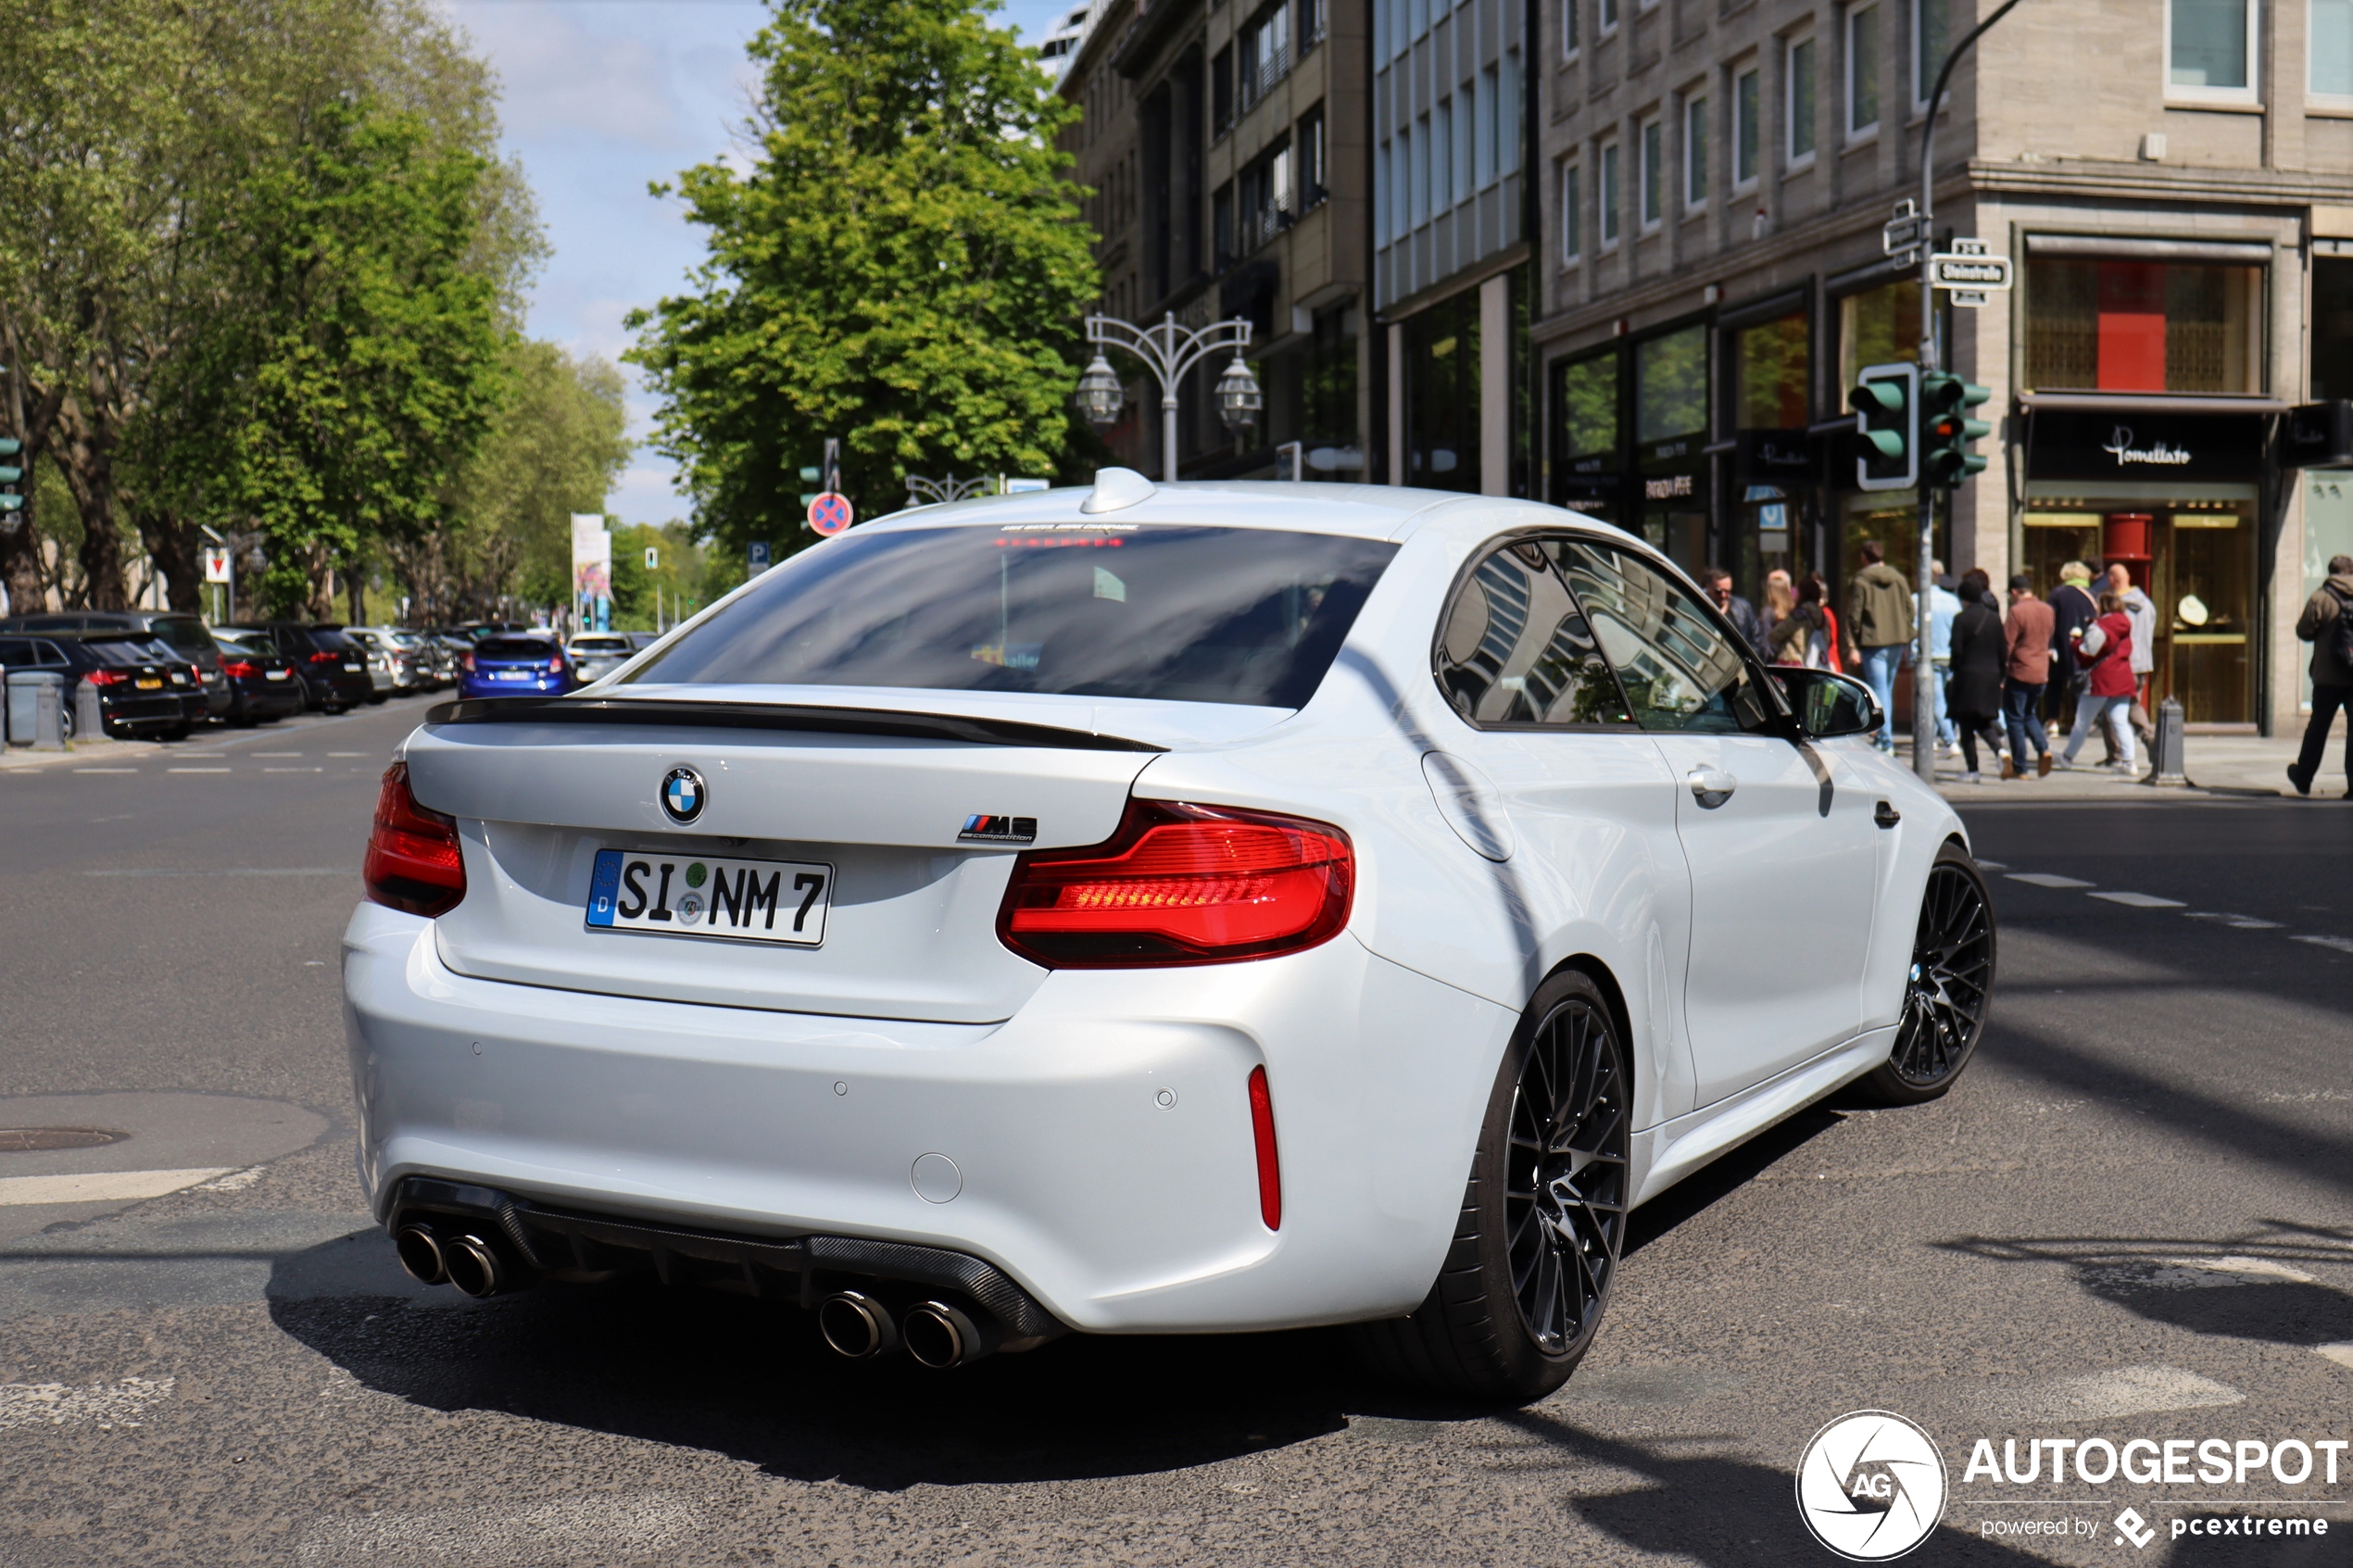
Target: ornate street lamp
1169, 351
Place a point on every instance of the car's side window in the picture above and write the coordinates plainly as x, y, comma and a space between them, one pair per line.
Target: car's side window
1680, 672
1513, 648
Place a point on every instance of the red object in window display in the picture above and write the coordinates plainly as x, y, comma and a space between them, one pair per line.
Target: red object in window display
2132, 310
2125, 536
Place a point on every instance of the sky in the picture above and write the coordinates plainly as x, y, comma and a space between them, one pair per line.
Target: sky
600, 98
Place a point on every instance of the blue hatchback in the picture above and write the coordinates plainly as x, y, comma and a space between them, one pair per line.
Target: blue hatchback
512, 666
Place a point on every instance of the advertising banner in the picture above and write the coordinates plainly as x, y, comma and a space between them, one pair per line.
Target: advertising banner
592, 569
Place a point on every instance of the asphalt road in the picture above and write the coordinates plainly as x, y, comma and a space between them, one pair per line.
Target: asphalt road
2133, 1218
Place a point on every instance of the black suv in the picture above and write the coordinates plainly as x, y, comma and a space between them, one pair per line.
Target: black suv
334, 667
184, 634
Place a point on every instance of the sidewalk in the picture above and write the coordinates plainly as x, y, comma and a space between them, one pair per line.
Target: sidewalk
2219, 767
81, 754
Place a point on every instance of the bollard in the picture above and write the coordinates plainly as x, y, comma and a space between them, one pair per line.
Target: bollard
89, 719
2166, 769
49, 717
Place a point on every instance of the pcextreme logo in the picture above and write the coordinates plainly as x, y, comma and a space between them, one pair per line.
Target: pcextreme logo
1871, 1486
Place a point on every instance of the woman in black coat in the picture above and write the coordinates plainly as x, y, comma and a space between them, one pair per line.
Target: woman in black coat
1979, 653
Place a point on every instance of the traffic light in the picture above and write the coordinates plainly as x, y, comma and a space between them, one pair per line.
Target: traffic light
1885, 401
1946, 431
11, 476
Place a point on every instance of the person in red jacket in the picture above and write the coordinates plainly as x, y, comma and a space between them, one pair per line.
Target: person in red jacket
2106, 650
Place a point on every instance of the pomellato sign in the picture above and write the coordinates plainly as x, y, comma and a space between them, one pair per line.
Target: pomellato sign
2156, 447
2120, 446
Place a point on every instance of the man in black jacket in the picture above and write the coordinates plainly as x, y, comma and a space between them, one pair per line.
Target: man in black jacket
1738, 610
2331, 681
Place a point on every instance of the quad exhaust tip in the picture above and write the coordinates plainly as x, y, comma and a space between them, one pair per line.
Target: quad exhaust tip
421, 1254
475, 1267
856, 1325
940, 1335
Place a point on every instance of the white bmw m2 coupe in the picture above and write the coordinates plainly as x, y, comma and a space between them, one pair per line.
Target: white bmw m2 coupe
1147, 909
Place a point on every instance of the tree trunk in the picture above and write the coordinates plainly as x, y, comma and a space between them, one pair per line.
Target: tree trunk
176, 545
86, 459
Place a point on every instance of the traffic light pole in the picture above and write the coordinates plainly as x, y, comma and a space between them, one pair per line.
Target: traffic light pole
1924, 604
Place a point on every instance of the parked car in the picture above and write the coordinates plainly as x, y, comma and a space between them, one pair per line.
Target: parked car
334, 667
517, 665
388, 663
1140, 911
597, 654
137, 696
185, 634
263, 686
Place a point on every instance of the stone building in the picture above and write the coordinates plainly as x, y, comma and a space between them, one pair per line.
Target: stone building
2174, 180
1224, 143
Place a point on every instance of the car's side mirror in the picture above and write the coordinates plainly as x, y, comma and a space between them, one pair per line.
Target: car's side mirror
1829, 705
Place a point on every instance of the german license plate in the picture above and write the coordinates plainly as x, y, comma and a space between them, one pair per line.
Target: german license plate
274, 674
354, 669
689, 896
514, 674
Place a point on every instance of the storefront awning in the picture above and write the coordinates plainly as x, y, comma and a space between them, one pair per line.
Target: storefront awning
2153, 403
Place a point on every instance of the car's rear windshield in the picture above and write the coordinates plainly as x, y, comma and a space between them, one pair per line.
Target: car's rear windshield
185, 633
515, 648
121, 652
601, 644
1189, 614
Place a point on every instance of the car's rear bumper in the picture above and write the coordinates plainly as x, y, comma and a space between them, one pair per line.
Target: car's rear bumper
1101, 1137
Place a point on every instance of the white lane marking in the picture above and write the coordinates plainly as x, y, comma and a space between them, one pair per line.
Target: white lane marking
567, 1530
2100, 1396
231, 871
2341, 1354
2044, 878
1992, 866
55, 1404
2342, 944
236, 1181
350, 754
2141, 900
273, 754
105, 770
195, 770
2237, 922
294, 769
102, 1186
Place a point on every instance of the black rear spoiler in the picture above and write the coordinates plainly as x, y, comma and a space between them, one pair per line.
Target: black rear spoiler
693, 714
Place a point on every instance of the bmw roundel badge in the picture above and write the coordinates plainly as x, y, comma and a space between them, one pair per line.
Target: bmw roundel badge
683, 794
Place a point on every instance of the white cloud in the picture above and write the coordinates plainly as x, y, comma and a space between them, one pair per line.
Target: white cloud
560, 78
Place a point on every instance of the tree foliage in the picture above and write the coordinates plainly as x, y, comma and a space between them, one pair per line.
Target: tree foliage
900, 266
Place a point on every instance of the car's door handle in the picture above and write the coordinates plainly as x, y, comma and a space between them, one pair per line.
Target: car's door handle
1885, 815
1711, 786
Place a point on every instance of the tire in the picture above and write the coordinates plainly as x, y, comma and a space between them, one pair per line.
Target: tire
1947, 989
177, 731
1529, 1274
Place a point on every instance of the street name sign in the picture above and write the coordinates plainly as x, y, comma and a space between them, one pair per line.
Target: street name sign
1973, 273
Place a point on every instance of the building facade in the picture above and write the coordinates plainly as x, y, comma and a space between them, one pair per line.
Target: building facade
1224, 144
2174, 180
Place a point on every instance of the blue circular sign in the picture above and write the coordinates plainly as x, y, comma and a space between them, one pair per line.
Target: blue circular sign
830, 513
683, 793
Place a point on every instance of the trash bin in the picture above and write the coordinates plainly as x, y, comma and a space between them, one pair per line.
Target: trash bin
36, 709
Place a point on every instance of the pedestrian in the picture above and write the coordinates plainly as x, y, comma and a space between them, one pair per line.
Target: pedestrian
1943, 604
1979, 654
2105, 650
1807, 635
1879, 627
2143, 615
2072, 608
2327, 624
2027, 637
1780, 598
1738, 610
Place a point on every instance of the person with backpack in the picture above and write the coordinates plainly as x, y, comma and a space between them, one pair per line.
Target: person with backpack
2104, 652
2327, 624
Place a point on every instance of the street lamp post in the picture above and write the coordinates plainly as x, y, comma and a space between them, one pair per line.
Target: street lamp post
1169, 351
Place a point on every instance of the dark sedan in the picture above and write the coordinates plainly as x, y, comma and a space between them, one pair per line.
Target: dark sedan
511, 666
262, 683
184, 634
136, 694
332, 668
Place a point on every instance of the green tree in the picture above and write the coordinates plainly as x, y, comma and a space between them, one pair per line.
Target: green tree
902, 267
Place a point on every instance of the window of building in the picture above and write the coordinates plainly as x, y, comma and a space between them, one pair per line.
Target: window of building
1651, 176
1769, 374
2330, 49
1489, 127
1385, 224
1745, 129
1799, 79
2143, 326
1265, 197
2209, 49
1928, 46
1613, 198
1572, 41
1572, 214
1441, 394
2331, 328
1696, 151
1221, 90
1328, 401
1608, 12
1313, 175
1880, 326
1465, 138
1311, 24
1418, 144
1418, 18
1862, 71
1441, 157
1508, 121
1670, 385
1265, 53
1585, 411
1221, 226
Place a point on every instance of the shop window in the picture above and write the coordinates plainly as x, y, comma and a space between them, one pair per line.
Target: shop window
2332, 327
1881, 326
1670, 385
1769, 374
1585, 414
2329, 50
1441, 394
1327, 397
2210, 46
2143, 326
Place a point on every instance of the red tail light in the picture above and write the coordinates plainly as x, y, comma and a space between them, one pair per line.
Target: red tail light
241, 668
325, 656
1270, 1167
105, 677
1181, 885
413, 862
556, 665
467, 658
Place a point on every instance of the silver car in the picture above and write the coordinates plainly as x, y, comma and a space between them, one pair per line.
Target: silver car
599, 654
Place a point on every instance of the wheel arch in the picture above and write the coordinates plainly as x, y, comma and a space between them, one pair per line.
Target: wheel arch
1593, 967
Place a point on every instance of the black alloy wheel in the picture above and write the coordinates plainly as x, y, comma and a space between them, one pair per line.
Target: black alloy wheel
1947, 989
1525, 1283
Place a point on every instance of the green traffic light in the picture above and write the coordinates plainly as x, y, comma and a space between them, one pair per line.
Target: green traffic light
1946, 431
10, 446
9, 476
1877, 397
1888, 444
11, 502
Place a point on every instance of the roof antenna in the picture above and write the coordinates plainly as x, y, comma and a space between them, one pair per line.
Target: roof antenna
1116, 489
